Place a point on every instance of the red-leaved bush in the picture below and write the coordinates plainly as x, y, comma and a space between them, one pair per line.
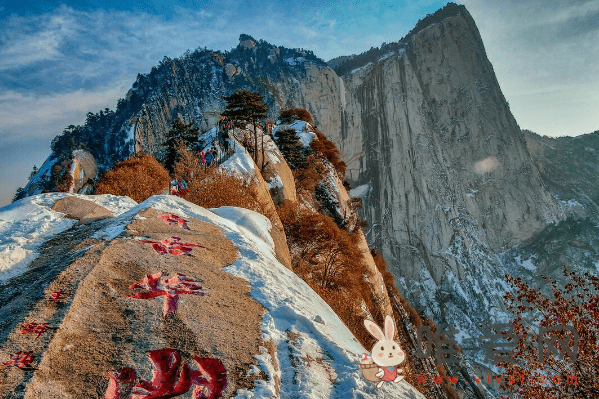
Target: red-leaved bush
575, 305
293, 114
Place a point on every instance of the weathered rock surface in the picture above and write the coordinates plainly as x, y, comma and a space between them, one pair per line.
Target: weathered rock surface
425, 125
277, 174
104, 330
115, 305
569, 167
78, 208
84, 171
277, 231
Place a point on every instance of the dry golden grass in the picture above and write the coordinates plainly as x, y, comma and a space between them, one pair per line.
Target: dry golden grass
216, 188
381, 265
138, 177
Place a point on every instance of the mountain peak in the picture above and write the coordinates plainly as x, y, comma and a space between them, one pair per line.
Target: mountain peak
450, 10
247, 41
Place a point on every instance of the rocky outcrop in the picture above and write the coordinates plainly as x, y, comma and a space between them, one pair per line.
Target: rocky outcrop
424, 124
276, 173
277, 231
230, 70
84, 211
167, 299
338, 205
569, 167
84, 172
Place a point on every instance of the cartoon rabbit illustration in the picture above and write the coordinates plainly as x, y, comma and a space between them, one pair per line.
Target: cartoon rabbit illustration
380, 367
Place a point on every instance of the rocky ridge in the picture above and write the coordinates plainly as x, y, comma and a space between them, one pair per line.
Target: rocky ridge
80, 302
446, 176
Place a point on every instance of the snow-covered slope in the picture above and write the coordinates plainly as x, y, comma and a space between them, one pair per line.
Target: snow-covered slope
27, 223
314, 356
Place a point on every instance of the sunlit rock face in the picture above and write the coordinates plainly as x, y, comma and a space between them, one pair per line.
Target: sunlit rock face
424, 124
421, 123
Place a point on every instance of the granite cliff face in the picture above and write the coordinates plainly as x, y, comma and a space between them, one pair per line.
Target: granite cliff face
449, 179
445, 175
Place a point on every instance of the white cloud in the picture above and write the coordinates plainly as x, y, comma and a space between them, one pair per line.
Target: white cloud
567, 11
204, 14
24, 48
87, 51
26, 118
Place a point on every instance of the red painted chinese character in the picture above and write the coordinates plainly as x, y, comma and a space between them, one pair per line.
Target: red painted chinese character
171, 377
121, 384
172, 245
20, 360
210, 378
56, 296
158, 284
174, 220
35, 328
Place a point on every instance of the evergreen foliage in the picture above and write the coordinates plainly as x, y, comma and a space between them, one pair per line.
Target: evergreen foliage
291, 148
33, 172
18, 194
244, 107
329, 204
180, 134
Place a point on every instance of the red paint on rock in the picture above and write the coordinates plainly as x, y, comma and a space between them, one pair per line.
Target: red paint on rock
171, 377
158, 285
20, 359
56, 296
173, 246
174, 220
210, 379
121, 384
35, 328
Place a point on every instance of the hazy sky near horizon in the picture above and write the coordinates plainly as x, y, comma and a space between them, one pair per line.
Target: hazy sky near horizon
60, 60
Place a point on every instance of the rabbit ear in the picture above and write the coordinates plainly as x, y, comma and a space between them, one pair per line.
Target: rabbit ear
374, 330
389, 328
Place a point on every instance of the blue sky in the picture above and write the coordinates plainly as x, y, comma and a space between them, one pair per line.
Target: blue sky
60, 60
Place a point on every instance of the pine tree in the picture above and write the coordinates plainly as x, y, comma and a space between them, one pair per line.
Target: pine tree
246, 106
18, 194
180, 133
291, 148
33, 172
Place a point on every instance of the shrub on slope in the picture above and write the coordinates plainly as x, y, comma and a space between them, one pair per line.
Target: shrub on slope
138, 177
